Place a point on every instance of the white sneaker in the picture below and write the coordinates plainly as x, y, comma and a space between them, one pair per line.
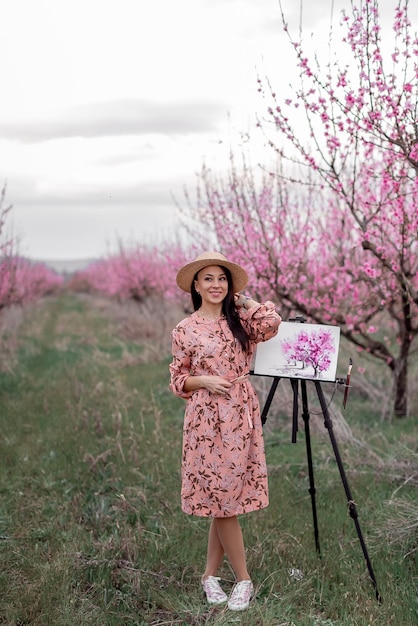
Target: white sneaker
213, 590
241, 595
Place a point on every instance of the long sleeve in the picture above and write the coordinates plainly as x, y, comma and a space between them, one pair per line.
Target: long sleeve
261, 321
180, 365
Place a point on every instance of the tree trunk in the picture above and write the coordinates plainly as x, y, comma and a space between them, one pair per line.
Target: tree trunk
400, 374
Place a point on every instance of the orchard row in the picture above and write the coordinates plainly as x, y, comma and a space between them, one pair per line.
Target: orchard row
328, 228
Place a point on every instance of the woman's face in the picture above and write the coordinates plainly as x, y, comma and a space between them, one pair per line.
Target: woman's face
212, 284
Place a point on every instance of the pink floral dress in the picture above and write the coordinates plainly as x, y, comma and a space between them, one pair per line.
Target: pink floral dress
223, 463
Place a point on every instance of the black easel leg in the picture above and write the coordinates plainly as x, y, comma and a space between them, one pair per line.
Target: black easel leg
294, 383
312, 490
269, 399
351, 504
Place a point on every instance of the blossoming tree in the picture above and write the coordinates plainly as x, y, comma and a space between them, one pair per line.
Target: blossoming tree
21, 281
334, 232
134, 272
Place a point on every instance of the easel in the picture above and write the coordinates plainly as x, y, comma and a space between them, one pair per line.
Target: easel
328, 425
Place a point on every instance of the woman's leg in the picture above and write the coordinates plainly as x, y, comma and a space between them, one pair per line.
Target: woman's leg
215, 552
231, 542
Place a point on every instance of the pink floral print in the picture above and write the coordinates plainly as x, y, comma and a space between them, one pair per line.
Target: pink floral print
223, 462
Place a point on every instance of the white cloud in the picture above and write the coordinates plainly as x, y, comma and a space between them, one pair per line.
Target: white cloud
117, 118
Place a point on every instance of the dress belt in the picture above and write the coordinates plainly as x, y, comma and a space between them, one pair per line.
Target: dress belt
241, 379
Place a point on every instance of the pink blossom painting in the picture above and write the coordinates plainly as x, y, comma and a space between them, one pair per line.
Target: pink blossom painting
300, 351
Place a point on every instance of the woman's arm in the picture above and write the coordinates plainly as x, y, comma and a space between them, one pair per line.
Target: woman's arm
182, 382
244, 302
260, 320
214, 384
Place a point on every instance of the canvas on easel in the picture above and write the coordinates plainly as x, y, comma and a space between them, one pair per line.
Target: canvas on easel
300, 351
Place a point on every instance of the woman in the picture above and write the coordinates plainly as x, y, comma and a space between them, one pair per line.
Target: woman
223, 464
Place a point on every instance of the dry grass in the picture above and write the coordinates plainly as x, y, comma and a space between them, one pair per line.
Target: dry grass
147, 323
400, 525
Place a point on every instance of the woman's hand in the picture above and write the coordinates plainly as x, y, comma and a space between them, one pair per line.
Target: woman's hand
240, 300
214, 384
244, 302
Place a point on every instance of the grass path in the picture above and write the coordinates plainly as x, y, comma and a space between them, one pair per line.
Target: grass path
75, 415
91, 530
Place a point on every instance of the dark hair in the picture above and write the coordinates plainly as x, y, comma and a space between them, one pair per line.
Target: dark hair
228, 309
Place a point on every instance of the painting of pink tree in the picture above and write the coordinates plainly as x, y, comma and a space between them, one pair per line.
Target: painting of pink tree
300, 351
310, 350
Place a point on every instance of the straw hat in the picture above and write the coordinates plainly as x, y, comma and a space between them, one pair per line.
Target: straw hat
186, 274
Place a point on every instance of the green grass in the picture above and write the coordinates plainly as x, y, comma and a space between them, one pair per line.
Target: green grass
91, 531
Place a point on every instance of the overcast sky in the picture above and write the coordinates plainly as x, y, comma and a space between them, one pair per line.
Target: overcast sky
110, 107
